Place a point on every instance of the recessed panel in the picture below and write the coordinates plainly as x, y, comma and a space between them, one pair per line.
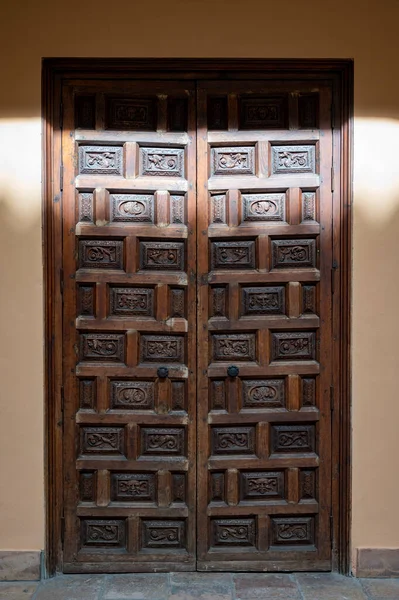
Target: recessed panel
235, 160
162, 256
132, 208
162, 162
102, 440
233, 255
293, 438
103, 533
131, 113
233, 440
133, 487
263, 485
292, 531
263, 112
293, 159
101, 254
267, 300
103, 347
263, 393
131, 301
167, 535
100, 160
85, 207
162, 348
233, 346
295, 345
263, 207
86, 298
232, 533
132, 395
163, 441
293, 254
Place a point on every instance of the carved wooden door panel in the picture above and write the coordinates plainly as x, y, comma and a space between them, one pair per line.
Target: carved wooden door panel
264, 326
129, 179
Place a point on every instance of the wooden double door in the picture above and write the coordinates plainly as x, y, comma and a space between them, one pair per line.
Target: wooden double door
197, 257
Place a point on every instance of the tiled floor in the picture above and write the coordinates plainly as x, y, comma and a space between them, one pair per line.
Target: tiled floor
203, 586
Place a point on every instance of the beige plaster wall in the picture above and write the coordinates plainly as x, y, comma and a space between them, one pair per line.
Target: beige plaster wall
359, 29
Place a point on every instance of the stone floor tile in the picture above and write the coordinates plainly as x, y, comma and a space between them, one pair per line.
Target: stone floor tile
23, 590
140, 586
381, 589
216, 584
329, 586
200, 595
251, 586
71, 587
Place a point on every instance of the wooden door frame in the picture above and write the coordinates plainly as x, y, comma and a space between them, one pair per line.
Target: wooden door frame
339, 73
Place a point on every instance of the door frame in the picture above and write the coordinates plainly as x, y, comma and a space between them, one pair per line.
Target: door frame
339, 74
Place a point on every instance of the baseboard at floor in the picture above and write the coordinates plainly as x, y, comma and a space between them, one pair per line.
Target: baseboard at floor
20, 565
376, 562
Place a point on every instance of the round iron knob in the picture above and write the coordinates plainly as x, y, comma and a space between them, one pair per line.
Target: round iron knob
163, 372
232, 371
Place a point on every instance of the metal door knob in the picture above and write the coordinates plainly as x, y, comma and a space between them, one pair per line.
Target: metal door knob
163, 372
233, 371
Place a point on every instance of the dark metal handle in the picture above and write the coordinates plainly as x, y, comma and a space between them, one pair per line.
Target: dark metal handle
163, 372
232, 371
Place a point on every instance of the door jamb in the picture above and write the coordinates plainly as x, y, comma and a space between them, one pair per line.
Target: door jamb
337, 72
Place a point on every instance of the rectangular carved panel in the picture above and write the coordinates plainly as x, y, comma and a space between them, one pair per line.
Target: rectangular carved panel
102, 347
162, 348
86, 300
233, 440
308, 207
166, 535
235, 160
218, 395
130, 114
218, 208
293, 159
177, 302
162, 162
263, 113
263, 207
233, 255
263, 393
293, 438
131, 301
307, 485
217, 487
132, 395
179, 485
101, 254
292, 531
85, 205
309, 299
133, 487
218, 301
308, 111
217, 113
295, 345
266, 300
233, 346
85, 111
233, 532
162, 256
293, 254
87, 393
308, 391
132, 208
177, 209
102, 440
178, 391
87, 486
266, 485
162, 441
103, 533
100, 160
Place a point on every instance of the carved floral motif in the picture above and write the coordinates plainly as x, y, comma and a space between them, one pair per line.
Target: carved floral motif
132, 208
108, 440
102, 346
262, 113
161, 534
132, 486
293, 438
234, 532
293, 159
177, 209
309, 206
292, 530
294, 345
162, 348
233, 160
233, 255
98, 254
262, 485
162, 162
218, 203
86, 207
162, 255
132, 394
233, 440
160, 440
239, 346
263, 300
100, 160
131, 113
263, 207
132, 301
263, 393
103, 532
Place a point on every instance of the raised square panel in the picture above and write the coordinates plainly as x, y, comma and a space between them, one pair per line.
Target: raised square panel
293, 254
264, 485
167, 535
102, 440
293, 438
86, 300
295, 345
100, 160
162, 348
263, 300
292, 531
233, 532
131, 113
162, 162
161, 256
85, 201
133, 487
218, 208
263, 113
263, 393
103, 533
132, 208
233, 440
131, 301
132, 395
263, 207
162, 441
234, 160
102, 347
101, 254
293, 159
233, 346
233, 255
